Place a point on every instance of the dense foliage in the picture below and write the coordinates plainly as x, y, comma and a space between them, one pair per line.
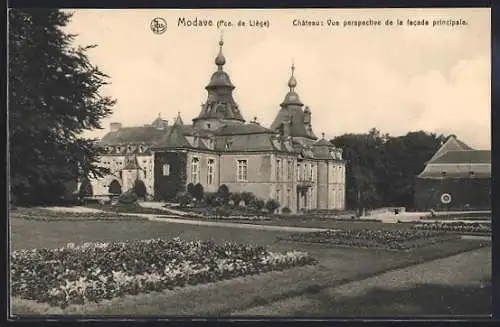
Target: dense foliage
379, 239
96, 271
54, 95
381, 169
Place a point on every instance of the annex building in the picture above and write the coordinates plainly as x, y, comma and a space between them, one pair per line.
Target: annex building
457, 177
285, 161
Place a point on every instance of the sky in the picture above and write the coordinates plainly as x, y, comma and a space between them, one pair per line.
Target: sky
397, 78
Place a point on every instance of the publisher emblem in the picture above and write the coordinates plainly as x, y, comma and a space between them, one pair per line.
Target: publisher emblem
158, 25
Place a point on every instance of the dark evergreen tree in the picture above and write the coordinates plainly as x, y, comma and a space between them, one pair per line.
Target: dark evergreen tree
115, 188
140, 189
53, 97
85, 189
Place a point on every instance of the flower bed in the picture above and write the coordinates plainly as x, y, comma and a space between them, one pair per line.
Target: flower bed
51, 215
96, 271
378, 239
455, 227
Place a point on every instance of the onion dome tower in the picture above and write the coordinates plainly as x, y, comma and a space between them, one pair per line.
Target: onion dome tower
220, 104
291, 110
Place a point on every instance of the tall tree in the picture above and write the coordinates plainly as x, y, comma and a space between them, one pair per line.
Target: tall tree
405, 157
53, 97
363, 153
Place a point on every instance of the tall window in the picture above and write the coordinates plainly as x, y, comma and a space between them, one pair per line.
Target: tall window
278, 195
166, 169
242, 170
312, 172
211, 175
278, 169
290, 170
299, 175
195, 170
306, 171
289, 197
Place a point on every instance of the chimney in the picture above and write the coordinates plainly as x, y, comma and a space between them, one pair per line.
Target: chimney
115, 126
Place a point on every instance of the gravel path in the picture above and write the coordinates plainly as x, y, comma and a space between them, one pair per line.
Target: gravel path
465, 269
232, 225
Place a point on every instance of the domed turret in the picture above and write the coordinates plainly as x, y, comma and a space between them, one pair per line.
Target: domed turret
220, 60
220, 104
292, 98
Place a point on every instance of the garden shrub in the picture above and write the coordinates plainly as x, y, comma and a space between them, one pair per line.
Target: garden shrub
190, 190
272, 205
223, 192
258, 204
236, 197
247, 197
115, 187
286, 210
184, 199
140, 189
127, 198
198, 192
210, 198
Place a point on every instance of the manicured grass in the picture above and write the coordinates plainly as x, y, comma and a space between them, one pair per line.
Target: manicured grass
336, 265
457, 285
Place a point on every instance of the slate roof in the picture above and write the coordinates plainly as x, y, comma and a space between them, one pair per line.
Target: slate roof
133, 135
451, 144
296, 116
174, 139
466, 156
245, 142
459, 160
242, 129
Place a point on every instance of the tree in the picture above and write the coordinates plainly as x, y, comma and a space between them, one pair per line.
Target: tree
364, 159
54, 97
85, 189
405, 157
140, 189
115, 188
381, 169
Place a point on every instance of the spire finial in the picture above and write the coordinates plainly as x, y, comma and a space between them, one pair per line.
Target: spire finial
220, 60
292, 82
323, 135
221, 42
159, 115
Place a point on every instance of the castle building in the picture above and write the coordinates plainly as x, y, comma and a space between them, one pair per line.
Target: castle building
457, 177
286, 161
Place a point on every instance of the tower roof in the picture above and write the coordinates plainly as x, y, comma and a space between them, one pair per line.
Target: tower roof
220, 103
291, 109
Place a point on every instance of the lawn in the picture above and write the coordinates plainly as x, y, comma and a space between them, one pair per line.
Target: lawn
336, 265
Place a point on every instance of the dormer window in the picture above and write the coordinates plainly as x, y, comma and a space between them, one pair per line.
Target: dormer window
141, 149
118, 149
129, 149
471, 173
443, 173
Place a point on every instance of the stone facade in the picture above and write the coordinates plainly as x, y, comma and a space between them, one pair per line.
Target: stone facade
287, 161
